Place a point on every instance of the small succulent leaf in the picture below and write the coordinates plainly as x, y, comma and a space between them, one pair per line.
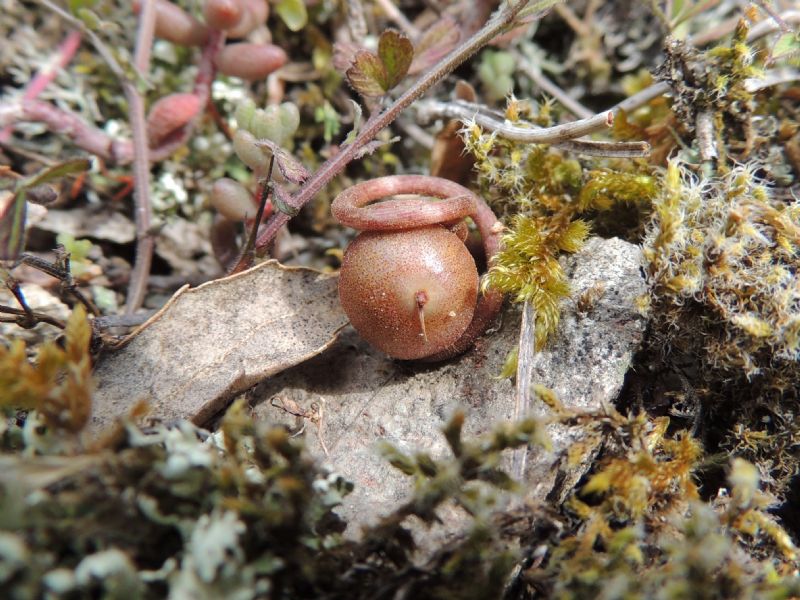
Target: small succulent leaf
293, 13
244, 114
69, 167
367, 75
12, 224
396, 53
289, 117
89, 18
289, 166
266, 124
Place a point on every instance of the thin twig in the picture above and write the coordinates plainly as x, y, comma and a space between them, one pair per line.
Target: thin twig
141, 164
527, 133
30, 318
757, 31
333, 166
560, 135
570, 18
522, 405
417, 133
356, 23
549, 87
144, 37
771, 78
247, 255
392, 12
63, 122
704, 126
606, 149
145, 244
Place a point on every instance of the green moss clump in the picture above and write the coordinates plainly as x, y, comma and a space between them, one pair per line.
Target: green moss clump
241, 513
722, 259
643, 532
548, 202
528, 267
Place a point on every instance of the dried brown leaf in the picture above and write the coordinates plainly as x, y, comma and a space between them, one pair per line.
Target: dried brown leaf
291, 168
437, 40
215, 341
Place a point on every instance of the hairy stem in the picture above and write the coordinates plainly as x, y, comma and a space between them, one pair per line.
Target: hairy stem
333, 166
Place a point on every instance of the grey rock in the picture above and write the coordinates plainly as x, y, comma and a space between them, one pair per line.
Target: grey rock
354, 396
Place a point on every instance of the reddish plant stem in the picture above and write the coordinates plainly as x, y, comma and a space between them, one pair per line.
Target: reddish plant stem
67, 123
353, 208
333, 166
143, 212
113, 151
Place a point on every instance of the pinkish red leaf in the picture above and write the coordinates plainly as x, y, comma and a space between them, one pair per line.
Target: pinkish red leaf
436, 42
169, 115
250, 61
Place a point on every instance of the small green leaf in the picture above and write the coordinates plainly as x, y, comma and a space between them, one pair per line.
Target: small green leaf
293, 13
12, 224
78, 249
13, 205
89, 18
329, 118
69, 167
367, 75
76, 5
396, 53
787, 44
510, 365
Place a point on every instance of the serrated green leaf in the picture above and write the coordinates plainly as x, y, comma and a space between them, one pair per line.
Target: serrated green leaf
367, 75
396, 53
293, 13
69, 167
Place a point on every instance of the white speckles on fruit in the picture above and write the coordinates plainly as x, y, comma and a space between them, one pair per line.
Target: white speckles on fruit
427, 282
